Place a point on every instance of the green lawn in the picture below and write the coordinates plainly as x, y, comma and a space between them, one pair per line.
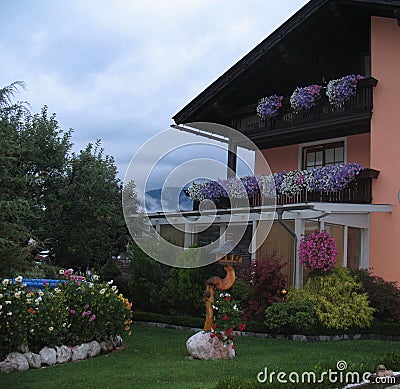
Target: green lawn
157, 358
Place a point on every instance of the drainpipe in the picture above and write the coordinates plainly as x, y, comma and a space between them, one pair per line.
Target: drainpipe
280, 211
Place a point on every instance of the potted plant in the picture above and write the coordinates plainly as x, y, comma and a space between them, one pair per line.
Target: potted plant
269, 106
305, 97
341, 90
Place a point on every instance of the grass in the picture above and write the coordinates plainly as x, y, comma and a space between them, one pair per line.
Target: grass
157, 357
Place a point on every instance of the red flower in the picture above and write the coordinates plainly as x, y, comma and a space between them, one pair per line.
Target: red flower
227, 298
32, 311
233, 346
214, 326
228, 332
225, 317
242, 326
212, 336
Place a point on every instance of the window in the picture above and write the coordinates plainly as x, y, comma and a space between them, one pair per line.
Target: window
323, 155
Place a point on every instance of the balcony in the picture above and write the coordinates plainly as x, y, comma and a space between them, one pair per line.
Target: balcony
290, 127
358, 192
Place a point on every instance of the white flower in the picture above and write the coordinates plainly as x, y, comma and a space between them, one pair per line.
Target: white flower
8, 302
102, 291
31, 330
110, 282
90, 284
1, 296
215, 307
18, 279
38, 300
5, 281
95, 277
1, 307
17, 294
235, 307
29, 301
114, 287
9, 313
64, 325
40, 293
57, 290
61, 271
51, 328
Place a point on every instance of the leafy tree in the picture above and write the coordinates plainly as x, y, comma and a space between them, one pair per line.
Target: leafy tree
92, 219
15, 207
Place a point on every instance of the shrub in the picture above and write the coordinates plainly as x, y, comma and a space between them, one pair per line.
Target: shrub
338, 299
110, 271
297, 316
264, 279
14, 315
391, 361
72, 313
383, 295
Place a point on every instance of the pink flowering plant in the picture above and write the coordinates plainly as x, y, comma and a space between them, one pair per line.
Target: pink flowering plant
71, 312
318, 251
227, 319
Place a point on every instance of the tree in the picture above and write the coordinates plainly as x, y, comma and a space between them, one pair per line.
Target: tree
92, 220
15, 209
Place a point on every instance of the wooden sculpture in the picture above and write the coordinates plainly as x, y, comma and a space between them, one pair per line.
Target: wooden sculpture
228, 261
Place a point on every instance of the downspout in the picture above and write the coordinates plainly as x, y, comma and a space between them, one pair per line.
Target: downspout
280, 211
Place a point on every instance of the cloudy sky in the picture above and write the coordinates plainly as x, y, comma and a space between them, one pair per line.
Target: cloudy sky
119, 70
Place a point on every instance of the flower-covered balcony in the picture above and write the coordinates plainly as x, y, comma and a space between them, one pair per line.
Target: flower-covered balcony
343, 183
346, 109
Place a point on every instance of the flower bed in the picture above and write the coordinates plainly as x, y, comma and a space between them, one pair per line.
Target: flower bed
73, 312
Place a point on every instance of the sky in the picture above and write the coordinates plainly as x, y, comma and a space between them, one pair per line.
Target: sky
119, 70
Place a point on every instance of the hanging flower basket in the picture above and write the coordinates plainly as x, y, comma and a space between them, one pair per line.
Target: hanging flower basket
341, 90
305, 97
269, 106
318, 251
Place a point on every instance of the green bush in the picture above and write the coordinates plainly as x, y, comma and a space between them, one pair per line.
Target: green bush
72, 313
391, 361
297, 316
338, 300
383, 295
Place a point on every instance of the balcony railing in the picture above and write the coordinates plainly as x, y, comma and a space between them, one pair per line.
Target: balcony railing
358, 192
247, 121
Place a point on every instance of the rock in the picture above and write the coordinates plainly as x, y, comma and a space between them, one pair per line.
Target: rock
106, 346
64, 354
94, 349
6, 367
18, 361
34, 360
202, 346
80, 352
48, 355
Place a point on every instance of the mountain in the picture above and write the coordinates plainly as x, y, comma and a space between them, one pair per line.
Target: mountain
170, 203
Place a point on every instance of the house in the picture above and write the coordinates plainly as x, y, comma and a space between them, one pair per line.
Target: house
325, 40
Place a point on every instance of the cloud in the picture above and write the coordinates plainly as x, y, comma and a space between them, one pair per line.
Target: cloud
119, 71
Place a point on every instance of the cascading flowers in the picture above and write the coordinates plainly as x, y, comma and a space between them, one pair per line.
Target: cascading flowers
341, 90
268, 106
305, 97
318, 251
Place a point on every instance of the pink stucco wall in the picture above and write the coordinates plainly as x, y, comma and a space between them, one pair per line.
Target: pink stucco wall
358, 149
279, 159
385, 147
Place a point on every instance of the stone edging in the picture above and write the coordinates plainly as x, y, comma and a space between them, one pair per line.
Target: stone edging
48, 356
295, 337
